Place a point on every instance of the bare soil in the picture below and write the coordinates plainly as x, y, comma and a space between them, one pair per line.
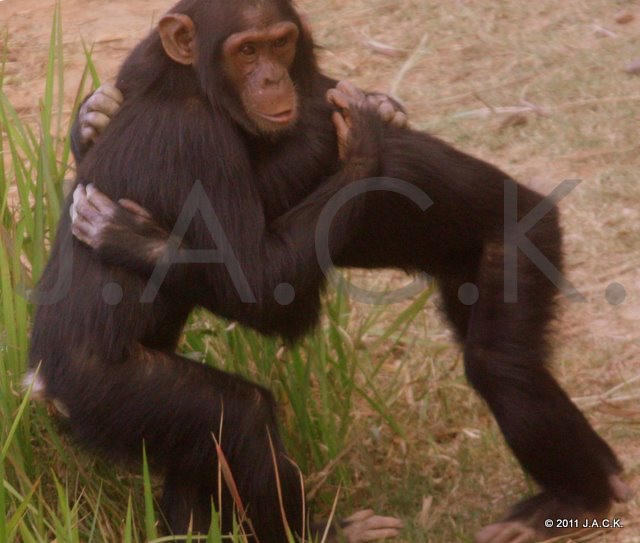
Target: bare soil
564, 59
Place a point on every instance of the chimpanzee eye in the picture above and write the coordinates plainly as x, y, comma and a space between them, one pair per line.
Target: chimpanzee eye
248, 50
281, 42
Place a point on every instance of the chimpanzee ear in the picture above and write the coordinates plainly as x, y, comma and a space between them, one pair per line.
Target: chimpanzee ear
306, 25
178, 35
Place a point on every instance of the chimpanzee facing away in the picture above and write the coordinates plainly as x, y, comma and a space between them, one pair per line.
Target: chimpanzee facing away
227, 97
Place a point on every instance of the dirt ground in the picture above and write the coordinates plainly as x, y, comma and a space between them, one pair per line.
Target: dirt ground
113, 27
372, 43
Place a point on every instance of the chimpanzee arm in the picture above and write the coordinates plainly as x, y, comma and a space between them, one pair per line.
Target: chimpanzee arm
99, 108
277, 261
122, 234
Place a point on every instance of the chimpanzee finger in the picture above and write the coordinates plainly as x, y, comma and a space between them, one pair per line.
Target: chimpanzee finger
378, 522
96, 120
86, 229
342, 102
81, 203
100, 201
86, 212
386, 111
342, 128
82, 231
343, 133
400, 120
88, 133
338, 99
359, 516
367, 526
372, 528
514, 533
372, 535
622, 492
111, 92
505, 532
134, 208
82, 225
103, 103
374, 100
352, 91
524, 538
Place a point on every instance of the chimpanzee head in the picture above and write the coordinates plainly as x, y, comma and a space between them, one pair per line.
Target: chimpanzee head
253, 58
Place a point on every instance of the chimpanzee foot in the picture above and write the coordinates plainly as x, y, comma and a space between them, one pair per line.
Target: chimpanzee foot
506, 532
622, 492
367, 526
545, 516
361, 527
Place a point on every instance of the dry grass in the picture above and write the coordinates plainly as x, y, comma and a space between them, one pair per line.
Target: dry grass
538, 88
535, 88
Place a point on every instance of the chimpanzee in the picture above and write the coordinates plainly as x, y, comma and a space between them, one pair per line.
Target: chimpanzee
225, 125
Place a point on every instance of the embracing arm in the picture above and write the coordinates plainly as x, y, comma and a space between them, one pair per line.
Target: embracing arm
99, 108
277, 262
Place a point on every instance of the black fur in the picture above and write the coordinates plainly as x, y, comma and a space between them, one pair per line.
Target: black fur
114, 368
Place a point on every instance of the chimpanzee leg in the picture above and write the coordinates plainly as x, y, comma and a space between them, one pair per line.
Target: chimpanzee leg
179, 408
505, 349
459, 292
185, 501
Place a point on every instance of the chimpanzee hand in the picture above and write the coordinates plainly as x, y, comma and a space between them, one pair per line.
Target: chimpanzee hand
119, 233
367, 526
98, 111
362, 526
100, 108
346, 96
389, 110
351, 124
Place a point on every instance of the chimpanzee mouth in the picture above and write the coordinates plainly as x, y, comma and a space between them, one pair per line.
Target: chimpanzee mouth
284, 117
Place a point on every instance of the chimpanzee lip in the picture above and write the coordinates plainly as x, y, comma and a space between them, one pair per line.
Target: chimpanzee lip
282, 118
